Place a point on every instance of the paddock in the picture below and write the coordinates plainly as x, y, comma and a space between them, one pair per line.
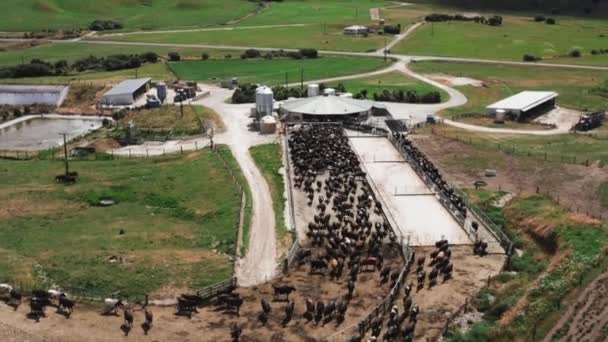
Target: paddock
417, 212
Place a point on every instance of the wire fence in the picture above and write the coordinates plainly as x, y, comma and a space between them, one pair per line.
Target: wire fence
518, 151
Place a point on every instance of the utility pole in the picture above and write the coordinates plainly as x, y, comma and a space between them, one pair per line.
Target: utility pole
302, 79
65, 153
286, 79
181, 108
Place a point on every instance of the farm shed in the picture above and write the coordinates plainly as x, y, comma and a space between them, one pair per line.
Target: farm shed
326, 108
524, 104
126, 92
356, 30
25, 95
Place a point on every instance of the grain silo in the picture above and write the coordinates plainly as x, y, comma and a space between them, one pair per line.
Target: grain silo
161, 91
264, 101
313, 90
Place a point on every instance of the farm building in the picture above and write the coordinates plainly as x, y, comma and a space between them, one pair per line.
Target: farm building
524, 104
356, 30
126, 92
25, 95
326, 108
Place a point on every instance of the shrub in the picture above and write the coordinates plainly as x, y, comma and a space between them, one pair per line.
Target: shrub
309, 53
551, 21
294, 55
531, 58
252, 53
432, 97
595, 52
228, 56
205, 56
103, 25
174, 57
495, 21
575, 53
392, 29
150, 57
539, 18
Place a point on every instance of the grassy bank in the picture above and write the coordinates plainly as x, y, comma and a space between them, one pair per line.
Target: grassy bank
272, 72
566, 148
558, 249
156, 71
171, 120
171, 227
268, 159
575, 87
33, 15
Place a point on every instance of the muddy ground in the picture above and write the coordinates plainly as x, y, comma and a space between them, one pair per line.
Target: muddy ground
573, 186
587, 318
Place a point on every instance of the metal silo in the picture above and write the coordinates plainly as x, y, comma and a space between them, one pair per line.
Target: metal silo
313, 90
161, 91
264, 101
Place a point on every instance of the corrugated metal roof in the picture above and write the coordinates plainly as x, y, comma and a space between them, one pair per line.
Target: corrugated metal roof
26, 89
128, 86
524, 101
327, 105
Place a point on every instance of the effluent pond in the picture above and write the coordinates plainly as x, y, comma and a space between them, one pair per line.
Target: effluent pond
41, 132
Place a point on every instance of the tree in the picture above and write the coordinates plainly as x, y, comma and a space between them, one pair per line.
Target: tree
551, 21
575, 53
149, 57
205, 56
174, 57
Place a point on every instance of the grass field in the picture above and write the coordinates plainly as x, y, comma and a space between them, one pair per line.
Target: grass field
391, 81
574, 86
169, 119
517, 36
178, 225
319, 36
568, 148
73, 51
272, 72
32, 15
268, 159
315, 11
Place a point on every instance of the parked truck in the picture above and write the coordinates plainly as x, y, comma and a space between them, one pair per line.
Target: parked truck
589, 121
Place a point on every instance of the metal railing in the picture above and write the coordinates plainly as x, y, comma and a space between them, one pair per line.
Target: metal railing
216, 289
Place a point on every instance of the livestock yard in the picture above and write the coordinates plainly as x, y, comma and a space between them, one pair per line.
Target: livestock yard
303, 170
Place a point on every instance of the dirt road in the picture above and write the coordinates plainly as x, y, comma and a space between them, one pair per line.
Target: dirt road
260, 262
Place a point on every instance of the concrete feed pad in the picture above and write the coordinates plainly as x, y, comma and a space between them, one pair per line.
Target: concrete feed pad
417, 213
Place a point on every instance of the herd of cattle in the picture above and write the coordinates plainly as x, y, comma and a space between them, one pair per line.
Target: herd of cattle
346, 236
429, 169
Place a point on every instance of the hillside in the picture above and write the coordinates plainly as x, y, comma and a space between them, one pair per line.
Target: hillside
37, 15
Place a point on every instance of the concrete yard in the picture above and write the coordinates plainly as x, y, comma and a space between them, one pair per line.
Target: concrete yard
415, 210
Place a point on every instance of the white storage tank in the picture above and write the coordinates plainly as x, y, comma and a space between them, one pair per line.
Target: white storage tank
264, 101
161, 91
313, 90
329, 92
500, 116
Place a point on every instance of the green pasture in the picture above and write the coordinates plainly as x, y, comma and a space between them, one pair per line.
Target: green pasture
319, 36
389, 81
173, 225
516, 37
272, 72
575, 86
36, 15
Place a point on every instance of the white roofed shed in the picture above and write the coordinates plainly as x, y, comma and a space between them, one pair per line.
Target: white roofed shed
126, 92
524, 103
